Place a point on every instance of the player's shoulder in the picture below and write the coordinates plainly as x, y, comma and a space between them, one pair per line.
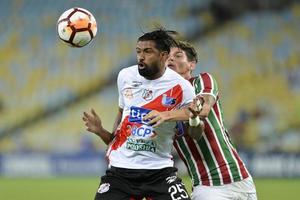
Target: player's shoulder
128, 71
203, 76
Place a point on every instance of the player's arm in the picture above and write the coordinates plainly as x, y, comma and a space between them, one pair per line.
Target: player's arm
207, 102
190, 114
117, 121
196, 125
183, 114
93, 124
208, 93
156, 117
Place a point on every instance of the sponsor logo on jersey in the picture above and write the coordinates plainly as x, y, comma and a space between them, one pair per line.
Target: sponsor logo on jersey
147, 94
142, 131
104, 187
137, 114
140, 145
168, 101
136, 83
128, 93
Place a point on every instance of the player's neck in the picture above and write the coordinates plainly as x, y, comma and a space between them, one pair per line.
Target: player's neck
187, 76
157, 75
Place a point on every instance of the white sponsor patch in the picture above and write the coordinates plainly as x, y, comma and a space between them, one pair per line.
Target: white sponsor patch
103, 188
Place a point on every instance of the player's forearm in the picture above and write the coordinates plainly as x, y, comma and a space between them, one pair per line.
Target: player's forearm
177, 115
105, 135
208, 103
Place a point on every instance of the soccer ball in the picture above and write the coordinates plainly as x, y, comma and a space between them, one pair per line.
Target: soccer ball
77, 27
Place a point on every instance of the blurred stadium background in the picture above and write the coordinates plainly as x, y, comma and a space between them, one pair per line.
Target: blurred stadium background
251, 46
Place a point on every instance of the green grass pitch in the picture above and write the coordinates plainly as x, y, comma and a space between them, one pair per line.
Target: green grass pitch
84, 188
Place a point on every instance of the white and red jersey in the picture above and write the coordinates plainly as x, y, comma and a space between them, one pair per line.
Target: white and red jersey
137, 145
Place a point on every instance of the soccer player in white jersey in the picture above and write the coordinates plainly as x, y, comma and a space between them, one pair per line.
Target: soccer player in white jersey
217, 171
203, 161
139, 155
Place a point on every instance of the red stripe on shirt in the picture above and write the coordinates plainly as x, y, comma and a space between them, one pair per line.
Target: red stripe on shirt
179, 153
207, 84
157, 104
121, 134
241, 164
217, 153
197, 157
215, 108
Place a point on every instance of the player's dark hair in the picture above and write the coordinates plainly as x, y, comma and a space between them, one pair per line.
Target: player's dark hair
163, 38
188, 49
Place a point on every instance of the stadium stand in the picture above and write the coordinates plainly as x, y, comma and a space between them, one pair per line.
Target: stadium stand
45, 85
264, 78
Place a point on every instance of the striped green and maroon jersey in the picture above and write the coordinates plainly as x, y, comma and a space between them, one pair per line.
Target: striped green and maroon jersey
212, 160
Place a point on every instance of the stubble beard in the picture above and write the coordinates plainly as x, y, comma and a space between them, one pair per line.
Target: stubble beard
149, 72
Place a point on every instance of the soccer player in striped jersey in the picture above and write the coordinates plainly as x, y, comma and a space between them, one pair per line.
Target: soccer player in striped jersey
216, 169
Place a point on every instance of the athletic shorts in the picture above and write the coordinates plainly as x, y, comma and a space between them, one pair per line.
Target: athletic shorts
136, 184
242, 190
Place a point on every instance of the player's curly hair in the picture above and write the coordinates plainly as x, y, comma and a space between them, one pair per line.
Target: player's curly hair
164, 39
189, 50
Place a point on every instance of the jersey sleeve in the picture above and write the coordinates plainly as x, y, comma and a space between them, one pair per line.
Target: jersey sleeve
120, 83
188, 94
205, 83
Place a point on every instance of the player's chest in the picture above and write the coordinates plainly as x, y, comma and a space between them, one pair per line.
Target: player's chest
135, 92
141, 91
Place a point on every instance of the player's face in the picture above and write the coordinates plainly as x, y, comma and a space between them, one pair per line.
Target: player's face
178, 61
151, 61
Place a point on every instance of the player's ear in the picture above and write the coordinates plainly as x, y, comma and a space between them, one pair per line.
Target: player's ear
164, 54
193, 65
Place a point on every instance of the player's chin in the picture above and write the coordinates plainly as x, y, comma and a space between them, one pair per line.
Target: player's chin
143, 71
172, 67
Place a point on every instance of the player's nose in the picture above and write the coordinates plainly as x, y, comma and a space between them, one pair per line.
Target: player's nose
170, 58
140, 57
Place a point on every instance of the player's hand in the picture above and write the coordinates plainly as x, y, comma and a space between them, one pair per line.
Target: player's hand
195, 107
155, 117
92, 121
